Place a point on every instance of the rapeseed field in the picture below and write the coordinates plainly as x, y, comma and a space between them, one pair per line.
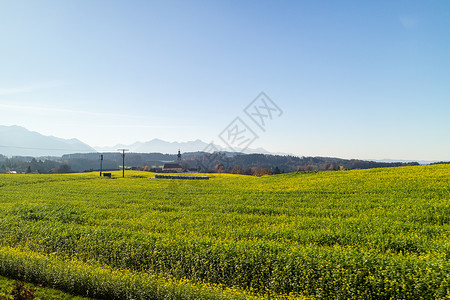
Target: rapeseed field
363, 234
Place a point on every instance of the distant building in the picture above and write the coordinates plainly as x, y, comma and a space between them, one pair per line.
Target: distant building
174, 167
179, 157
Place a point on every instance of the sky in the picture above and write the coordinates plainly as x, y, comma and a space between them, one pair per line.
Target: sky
348, 79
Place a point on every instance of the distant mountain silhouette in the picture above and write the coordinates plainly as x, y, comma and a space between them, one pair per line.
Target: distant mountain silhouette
160, 146
18, 141
78, 156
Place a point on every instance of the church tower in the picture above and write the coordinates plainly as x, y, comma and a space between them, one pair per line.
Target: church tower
179, 157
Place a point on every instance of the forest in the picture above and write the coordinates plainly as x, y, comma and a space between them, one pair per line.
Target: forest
218, 162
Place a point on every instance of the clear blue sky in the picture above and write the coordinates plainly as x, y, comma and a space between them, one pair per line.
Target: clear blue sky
354, 79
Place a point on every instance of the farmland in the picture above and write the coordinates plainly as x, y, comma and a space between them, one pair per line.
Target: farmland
379, 233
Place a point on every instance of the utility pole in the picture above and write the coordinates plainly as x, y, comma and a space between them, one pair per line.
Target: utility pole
123, 161
101, 164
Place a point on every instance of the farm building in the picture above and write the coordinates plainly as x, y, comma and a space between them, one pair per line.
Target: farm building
174, 167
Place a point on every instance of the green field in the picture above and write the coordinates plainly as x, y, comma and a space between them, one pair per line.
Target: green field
368, 234
40, 293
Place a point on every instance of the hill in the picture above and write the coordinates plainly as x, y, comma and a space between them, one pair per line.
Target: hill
229, 162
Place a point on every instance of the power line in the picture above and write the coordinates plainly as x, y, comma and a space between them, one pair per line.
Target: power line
101, 164
123, 161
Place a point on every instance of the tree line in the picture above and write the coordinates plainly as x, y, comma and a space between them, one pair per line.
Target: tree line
220, 162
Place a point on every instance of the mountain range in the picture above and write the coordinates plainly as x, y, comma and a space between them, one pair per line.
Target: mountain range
19, 141
161, 146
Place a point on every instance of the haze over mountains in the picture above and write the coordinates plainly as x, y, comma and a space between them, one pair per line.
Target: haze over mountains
19, 141
161, 146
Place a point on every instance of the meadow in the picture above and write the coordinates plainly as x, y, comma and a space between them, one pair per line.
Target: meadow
362, 234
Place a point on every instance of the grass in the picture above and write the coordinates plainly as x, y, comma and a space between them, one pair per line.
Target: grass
41, 293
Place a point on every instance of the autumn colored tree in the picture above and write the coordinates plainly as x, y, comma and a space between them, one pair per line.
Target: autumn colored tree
236, 170
262, 172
